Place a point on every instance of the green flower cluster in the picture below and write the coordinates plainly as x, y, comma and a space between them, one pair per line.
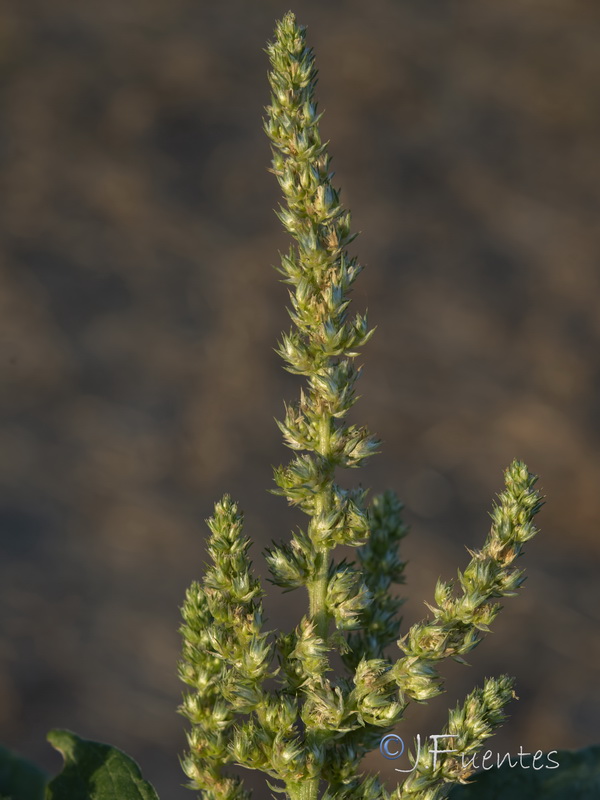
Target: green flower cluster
469, 726
458, 622
310, 732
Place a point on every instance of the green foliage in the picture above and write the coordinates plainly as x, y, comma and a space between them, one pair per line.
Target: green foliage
577, 778
94, 771
20, 778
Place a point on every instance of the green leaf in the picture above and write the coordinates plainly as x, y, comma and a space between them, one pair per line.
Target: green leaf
576, 778
19, 778
94, 771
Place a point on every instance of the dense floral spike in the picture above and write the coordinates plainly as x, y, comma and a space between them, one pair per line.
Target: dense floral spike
459, 622
468, 728
310, 734
325, 340
225, 656
322, 347
381, 566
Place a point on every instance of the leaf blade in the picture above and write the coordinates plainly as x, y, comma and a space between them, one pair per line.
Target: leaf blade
576, 778
95, 771
20, 779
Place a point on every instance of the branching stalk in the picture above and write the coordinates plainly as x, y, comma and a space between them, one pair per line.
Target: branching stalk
310, 734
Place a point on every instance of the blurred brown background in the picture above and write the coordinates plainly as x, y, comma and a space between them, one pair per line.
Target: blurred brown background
140, 311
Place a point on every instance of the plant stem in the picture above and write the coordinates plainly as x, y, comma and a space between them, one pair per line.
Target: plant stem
317, 592
309, 790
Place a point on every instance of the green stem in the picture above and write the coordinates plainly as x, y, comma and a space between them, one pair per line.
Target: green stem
309, 790
317, 589
317, 592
